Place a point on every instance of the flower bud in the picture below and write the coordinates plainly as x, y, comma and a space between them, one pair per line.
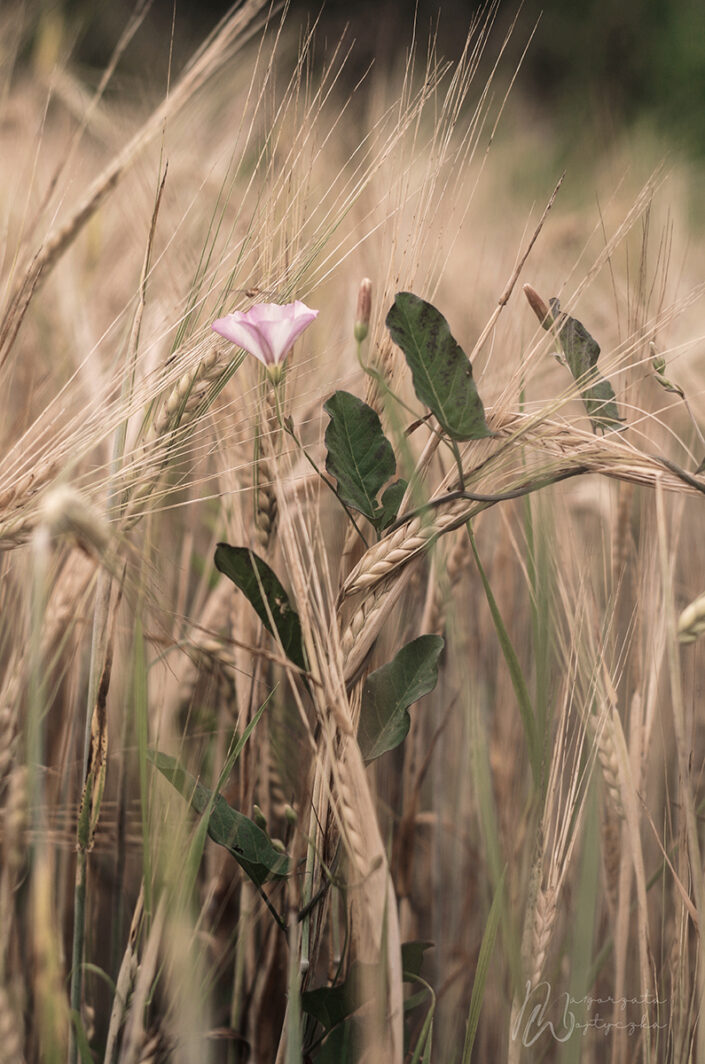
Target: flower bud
540, 309
364, 308
259, 817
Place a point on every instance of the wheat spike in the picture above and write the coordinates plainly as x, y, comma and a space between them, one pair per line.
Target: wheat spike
602, 726
184, 403
544, 919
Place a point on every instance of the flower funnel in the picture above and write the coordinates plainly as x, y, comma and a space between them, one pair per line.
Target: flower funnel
267, 330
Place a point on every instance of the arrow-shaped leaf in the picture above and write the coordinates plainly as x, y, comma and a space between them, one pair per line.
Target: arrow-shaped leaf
330, 1005
248, 844
440, 369
360, 456
412, 958
388, 693
343, 1044
266, 594
581, 353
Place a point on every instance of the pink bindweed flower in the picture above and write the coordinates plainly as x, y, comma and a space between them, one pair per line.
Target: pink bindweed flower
267, 331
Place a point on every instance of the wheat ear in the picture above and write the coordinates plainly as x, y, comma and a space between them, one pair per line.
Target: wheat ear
183, 405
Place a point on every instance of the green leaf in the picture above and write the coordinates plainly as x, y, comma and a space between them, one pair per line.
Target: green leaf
391, 501
342, 1046
599, 399
248, 844
441, 370
360, 456
266, 594
422, 1052
330, 1005
412, 954
82, 1044
414, 1000
192, 858
388, 693
581, 353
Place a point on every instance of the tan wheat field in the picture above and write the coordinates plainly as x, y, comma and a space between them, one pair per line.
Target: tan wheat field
540, 825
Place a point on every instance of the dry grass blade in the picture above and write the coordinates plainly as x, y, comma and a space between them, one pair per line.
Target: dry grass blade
203, 66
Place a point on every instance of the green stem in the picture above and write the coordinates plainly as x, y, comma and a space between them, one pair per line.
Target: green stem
379, 379
471, 496
515, 672
79, 923
293, 1012
459, 463
307, 889
288, 429
98, 646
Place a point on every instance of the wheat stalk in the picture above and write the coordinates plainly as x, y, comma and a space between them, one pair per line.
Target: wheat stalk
10, 1030
69, 589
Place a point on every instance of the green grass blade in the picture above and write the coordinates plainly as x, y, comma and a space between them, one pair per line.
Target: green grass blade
517, 677
198, 841
422, 1051
81, 1040
487, 812
483, 964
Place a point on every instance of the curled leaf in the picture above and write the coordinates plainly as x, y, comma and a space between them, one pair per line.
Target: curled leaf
581, 353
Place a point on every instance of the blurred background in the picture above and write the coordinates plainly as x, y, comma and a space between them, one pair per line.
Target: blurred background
593, 67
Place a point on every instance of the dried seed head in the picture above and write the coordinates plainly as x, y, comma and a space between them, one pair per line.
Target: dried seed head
691, 622
364, 309
66, 511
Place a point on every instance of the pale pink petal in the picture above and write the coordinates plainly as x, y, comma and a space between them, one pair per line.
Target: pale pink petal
262, 312
267, 330
283, 332
245, 335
